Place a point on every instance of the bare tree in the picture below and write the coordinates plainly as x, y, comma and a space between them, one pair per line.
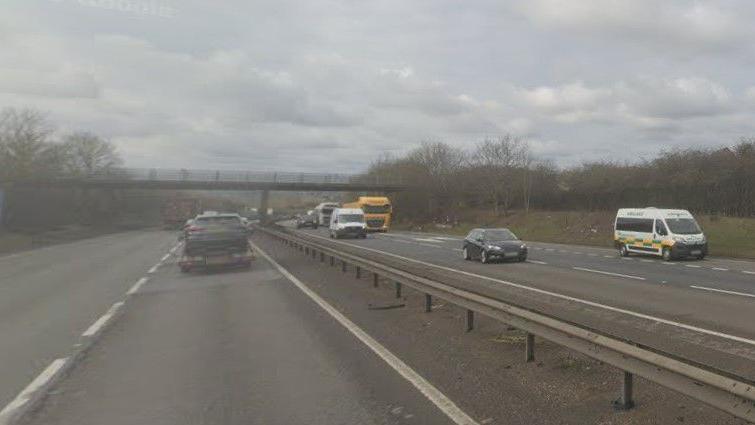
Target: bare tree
25, 148
88, 153
497, 160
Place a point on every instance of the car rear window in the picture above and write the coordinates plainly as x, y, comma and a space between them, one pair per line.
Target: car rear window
219, 220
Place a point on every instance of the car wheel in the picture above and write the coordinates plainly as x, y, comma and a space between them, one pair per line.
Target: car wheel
484, 257
314, 227
701, 257
466, 254
623, 251
522, 259
185, 269
666, 254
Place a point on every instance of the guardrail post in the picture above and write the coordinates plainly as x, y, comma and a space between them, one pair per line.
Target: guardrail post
306, 250
343, 266
398, 289
529, 348
359, 272
314, 253
375, 279
626, 401
428, 303
322, 257
470, 320
332, 261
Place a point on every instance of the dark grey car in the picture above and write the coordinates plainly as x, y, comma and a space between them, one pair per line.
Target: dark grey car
306, 220
493, 244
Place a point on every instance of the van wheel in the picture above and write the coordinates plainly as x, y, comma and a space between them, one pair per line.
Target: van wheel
623, 251
484, 257
701, 257
666, 254
466, 254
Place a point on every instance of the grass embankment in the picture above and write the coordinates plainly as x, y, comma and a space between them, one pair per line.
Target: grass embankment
727, 236
23, 240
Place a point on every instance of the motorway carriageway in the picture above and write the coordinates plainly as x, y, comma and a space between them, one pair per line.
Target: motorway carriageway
705, 312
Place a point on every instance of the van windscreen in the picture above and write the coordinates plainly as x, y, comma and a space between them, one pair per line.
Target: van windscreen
683, 226
351, 218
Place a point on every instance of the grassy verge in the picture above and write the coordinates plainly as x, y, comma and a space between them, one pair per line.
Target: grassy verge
727, 236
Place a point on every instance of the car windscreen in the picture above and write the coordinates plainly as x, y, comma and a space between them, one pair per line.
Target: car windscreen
351, 218
499, 235
683, 226
376, 209
327, 210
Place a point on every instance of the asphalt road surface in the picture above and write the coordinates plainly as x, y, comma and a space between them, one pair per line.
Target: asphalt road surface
701, 310
49, 296
222, 347
252, 346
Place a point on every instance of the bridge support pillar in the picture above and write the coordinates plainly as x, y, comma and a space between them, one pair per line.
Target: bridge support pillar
3, 205
264, 202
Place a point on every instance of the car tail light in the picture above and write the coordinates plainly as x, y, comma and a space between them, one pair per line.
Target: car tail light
196, 229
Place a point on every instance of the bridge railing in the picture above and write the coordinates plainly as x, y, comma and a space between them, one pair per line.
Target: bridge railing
226, 176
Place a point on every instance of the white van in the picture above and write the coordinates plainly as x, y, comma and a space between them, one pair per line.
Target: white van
348, 222
667, 233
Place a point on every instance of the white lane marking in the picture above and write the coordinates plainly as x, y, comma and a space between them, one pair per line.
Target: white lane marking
628, 276
444, 238
666, 263
592, 255
24, 396
537, 262
165, 257
705, 288
648, 261
562, 296
134, 289
694, 266
427, 389
431, 246
537, 248
153, 269
747, 272
721, 269
608, 256
563, 251
96, 326
550, 249
627, 258
426, 240
578, 252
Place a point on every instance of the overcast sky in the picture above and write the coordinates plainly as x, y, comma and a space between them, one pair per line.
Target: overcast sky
330, 85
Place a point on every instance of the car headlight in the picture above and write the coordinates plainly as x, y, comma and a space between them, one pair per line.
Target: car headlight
493, 247
523, 246
678, 239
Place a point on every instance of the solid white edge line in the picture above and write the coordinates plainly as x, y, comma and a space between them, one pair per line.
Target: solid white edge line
97, 325
165, 257
705, 288
561, 296
448, 407
26, 394
153, 269
747, 272
720, 269
628, 276
537, 262
137, 286
694, 266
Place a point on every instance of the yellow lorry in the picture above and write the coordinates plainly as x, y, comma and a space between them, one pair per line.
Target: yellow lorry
377, 212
